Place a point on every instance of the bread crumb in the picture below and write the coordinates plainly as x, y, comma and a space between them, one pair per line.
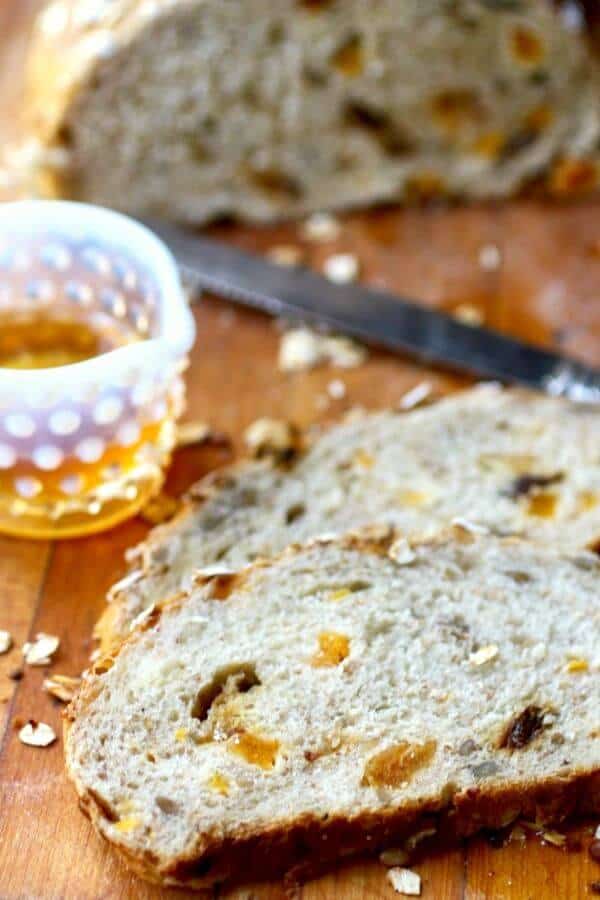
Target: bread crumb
40, 651
37, 734
344, 352
336, 389
393, 857
63, 687
271, 437
301, 349
416, 395
468, 315
490, 258
321, 227
405, 881
342, 268
6, 642
286, 255
191, 433
483, 655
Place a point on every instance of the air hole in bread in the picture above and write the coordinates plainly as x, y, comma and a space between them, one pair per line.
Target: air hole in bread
455, 107
295, 512
65, 137
103, 806
315, 77
519, 577
315, 5
359, 114
275, 183
518, 142
198, 150
525, 484
222, 552
276, 34
236, 678
167, 806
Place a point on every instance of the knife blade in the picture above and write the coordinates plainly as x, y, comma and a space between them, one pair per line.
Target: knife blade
373, 316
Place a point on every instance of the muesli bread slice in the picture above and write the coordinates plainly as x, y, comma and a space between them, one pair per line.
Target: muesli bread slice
341, 697
511, 461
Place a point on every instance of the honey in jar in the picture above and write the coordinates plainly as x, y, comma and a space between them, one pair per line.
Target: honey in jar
89, 388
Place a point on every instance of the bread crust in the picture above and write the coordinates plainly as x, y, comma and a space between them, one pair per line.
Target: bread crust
293, 848
288, 848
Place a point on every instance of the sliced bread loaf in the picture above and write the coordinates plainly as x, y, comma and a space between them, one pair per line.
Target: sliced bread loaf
198, 108
510, 461
341, 697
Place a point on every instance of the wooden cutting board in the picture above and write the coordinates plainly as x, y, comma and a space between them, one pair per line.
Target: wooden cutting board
546, 289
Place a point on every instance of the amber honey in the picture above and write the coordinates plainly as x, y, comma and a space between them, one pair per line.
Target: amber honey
44, 342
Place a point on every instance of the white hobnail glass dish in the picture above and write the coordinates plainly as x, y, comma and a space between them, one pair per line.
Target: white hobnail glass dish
65, 431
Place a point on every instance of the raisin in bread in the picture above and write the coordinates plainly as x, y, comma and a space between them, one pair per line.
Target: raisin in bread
195, 109
510, 461
340, 697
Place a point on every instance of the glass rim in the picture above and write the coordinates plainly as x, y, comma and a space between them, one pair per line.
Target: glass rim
71, 220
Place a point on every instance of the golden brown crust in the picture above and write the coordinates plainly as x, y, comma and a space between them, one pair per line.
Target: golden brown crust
297, 844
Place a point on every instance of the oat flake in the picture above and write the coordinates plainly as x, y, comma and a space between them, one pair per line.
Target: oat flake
37, 734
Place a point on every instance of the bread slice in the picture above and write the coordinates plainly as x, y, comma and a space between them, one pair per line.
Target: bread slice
511, 461
340, 697
195, 109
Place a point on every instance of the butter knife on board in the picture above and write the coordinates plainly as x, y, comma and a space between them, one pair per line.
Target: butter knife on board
375, 317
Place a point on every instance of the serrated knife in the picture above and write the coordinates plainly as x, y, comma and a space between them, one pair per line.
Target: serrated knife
375, 317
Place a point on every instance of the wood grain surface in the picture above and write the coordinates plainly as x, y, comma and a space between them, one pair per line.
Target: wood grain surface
546, 289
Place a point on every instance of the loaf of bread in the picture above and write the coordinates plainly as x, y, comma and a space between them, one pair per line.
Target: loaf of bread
196, 109
506, 460
340, 698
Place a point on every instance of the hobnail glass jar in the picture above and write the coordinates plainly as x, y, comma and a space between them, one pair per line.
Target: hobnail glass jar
94, 332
